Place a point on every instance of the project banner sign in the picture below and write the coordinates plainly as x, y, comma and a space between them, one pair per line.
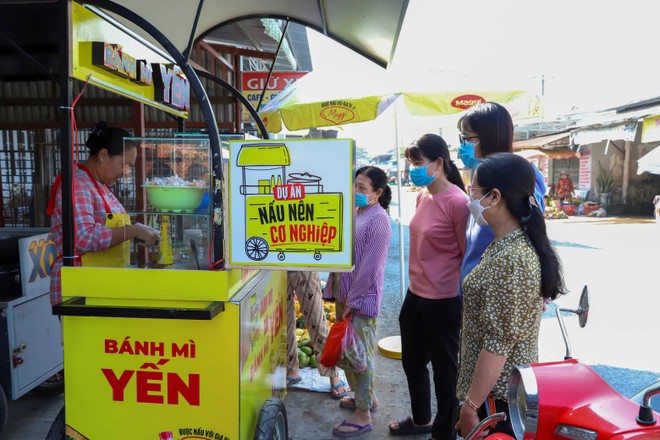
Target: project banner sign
290, 204
253, 83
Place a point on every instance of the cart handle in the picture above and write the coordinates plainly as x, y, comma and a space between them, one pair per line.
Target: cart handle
76, 306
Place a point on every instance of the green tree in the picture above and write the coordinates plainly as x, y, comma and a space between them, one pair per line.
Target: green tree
361, 154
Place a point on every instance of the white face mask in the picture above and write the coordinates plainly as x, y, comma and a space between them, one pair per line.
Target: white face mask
477, 210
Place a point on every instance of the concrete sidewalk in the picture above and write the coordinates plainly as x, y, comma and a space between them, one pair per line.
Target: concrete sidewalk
312, 415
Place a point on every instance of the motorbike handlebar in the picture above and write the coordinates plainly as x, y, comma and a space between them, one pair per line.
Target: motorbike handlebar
485, 423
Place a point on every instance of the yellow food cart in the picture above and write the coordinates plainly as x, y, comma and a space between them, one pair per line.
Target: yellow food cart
156, 347
174, 354
166, 344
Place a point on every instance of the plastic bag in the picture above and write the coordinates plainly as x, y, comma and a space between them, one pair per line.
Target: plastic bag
333, 344
354, 353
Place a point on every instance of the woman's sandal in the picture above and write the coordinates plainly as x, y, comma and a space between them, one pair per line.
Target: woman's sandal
293, 380
407, 427
349, 403
336, 394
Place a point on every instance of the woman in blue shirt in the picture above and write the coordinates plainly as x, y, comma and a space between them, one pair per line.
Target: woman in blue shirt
486, 128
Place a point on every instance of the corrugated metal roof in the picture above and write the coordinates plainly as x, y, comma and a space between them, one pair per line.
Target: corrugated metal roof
552, 154
549, 141
250, 34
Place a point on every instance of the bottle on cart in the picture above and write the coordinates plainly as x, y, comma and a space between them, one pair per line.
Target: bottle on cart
165, 256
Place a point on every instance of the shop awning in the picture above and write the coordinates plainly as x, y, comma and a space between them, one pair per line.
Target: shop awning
650, 162
625, 132
369, 27
551, 140
551, 154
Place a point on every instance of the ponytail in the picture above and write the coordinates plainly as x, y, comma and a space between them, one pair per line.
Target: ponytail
552, 281
453, 175
385, 198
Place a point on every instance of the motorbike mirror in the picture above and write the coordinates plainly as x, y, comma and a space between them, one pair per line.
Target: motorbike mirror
583, 309
583, 313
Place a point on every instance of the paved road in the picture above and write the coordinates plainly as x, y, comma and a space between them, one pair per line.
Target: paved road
616, 258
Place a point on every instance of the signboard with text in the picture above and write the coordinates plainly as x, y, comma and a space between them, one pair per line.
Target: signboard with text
37, 254
291, 204
651, 129
252, 85
110, 58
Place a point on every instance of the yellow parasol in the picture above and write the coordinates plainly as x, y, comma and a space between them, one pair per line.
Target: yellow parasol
322, 100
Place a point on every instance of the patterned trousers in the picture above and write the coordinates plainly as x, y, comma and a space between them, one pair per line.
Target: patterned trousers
307, 287
362, 383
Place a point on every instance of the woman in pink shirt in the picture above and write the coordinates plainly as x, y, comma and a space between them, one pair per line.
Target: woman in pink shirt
430, 317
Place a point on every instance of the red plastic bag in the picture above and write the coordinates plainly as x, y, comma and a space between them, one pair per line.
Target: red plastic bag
333, 344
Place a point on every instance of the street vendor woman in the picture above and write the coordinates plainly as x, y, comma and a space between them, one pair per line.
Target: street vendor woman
102, 228
565, 190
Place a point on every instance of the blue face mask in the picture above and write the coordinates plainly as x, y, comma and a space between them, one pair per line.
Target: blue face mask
466, 154
420, 177
361, 200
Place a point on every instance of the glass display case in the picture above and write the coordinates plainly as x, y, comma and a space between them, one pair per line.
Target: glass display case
170, 189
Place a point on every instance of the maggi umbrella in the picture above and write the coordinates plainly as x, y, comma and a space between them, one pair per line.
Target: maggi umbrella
323, 100
318, 100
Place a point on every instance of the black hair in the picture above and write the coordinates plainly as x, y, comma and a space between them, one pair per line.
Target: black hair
110, 138
378, 181
434, 147
494, 126
515, 178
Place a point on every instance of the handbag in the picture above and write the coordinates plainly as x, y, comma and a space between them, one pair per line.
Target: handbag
333, 344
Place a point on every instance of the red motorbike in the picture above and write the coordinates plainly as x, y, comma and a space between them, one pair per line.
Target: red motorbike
569, 400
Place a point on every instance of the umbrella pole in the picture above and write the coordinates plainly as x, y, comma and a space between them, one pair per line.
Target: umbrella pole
402, 278
391, 345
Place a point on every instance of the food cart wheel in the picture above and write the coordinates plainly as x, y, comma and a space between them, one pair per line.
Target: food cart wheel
317, 256
51, 386
57, 429
272, 423
3, 409
256, 248
281, 256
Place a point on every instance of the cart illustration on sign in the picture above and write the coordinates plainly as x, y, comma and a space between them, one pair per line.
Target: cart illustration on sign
286, 212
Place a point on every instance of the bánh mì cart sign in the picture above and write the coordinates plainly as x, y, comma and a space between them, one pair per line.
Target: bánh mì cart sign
105, 55
290, 204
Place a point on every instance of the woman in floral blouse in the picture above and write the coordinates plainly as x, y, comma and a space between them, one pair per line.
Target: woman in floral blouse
504, 293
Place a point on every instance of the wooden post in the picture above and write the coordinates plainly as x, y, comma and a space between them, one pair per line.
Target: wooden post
626, 173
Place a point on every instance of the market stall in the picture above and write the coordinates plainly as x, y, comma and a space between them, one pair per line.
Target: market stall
195, 350
196, 353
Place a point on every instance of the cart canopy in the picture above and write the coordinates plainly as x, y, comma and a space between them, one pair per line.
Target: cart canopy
369, 27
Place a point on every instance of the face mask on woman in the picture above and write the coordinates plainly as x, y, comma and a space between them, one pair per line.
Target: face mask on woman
361, 200
420, 177
477, 210
466, 154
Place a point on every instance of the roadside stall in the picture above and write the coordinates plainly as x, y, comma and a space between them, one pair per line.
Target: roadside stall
164, 347
195, 352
